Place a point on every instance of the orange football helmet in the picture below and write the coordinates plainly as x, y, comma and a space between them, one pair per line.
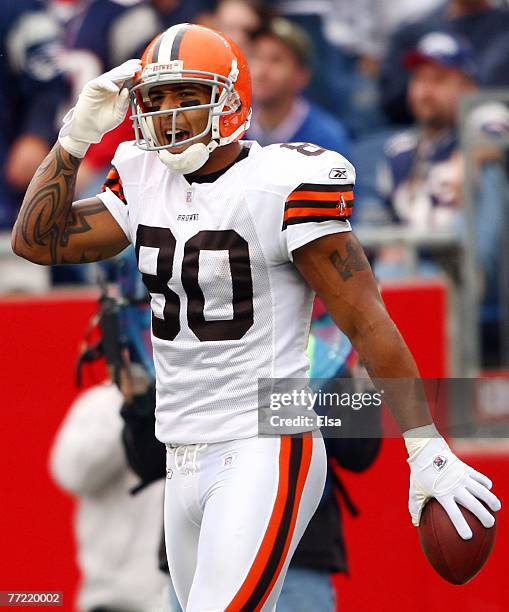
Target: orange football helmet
195, 54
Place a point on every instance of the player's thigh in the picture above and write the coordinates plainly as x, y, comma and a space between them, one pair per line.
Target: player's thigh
181, 528
262, 500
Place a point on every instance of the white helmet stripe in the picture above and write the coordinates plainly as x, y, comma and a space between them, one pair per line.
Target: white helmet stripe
170, 43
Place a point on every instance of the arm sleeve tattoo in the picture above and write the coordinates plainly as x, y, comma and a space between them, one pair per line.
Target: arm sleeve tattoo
46, 219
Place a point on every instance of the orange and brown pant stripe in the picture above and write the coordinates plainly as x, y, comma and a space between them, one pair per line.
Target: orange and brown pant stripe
294, 463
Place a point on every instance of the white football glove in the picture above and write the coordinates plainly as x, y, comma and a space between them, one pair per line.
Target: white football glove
436, 472
101, 107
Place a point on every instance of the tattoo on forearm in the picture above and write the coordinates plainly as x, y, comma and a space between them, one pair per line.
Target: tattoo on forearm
46, 218
354, 260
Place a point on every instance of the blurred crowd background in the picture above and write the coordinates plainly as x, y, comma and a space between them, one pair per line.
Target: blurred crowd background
413, 92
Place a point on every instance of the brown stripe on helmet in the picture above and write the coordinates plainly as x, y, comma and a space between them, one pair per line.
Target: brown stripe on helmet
155, 52
177, 41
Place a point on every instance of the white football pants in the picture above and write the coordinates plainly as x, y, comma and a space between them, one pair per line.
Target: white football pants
234, 514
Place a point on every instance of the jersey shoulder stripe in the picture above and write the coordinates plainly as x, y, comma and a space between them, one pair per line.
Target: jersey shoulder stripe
113, 182
313, 203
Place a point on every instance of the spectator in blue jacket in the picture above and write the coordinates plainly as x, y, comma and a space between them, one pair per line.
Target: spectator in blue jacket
280, 68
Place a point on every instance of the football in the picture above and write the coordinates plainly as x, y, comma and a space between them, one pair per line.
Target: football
455, 559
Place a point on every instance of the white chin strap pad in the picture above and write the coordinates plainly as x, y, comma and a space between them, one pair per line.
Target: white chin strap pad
188, 161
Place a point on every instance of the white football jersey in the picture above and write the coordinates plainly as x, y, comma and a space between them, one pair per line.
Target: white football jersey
229, 307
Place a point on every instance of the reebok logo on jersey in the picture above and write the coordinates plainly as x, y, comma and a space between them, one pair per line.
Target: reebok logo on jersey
338, 173
229, 459
193, 217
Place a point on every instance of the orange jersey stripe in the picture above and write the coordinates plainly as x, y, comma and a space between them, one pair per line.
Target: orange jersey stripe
269, 538
293, 213
322, 196
113, 182
112, 175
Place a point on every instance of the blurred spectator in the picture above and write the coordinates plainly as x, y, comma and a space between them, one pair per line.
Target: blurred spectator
363, 28
422, 176
117, 534
241, 19
350, 39
358, 29
171, 12
280, 69
101, 34
32, 91
309, 16
484, 26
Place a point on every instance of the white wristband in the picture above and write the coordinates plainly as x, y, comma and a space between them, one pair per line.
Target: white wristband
417, 438
74, 147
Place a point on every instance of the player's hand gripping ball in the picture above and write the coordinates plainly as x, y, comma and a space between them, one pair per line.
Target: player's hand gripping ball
435, 471
457, 527
457, 530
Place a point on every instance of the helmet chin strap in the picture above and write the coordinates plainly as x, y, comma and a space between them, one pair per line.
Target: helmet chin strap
190, 160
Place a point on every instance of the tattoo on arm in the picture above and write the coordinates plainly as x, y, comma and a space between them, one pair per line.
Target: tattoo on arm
77, 222
45, 218
354, 260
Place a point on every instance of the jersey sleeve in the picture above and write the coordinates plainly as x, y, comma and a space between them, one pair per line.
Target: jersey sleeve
112, 196
320, 205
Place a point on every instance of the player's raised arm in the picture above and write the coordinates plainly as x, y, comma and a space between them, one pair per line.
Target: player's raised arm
50, 228
338, 270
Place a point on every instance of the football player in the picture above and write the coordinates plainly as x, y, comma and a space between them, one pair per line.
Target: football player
232, 240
